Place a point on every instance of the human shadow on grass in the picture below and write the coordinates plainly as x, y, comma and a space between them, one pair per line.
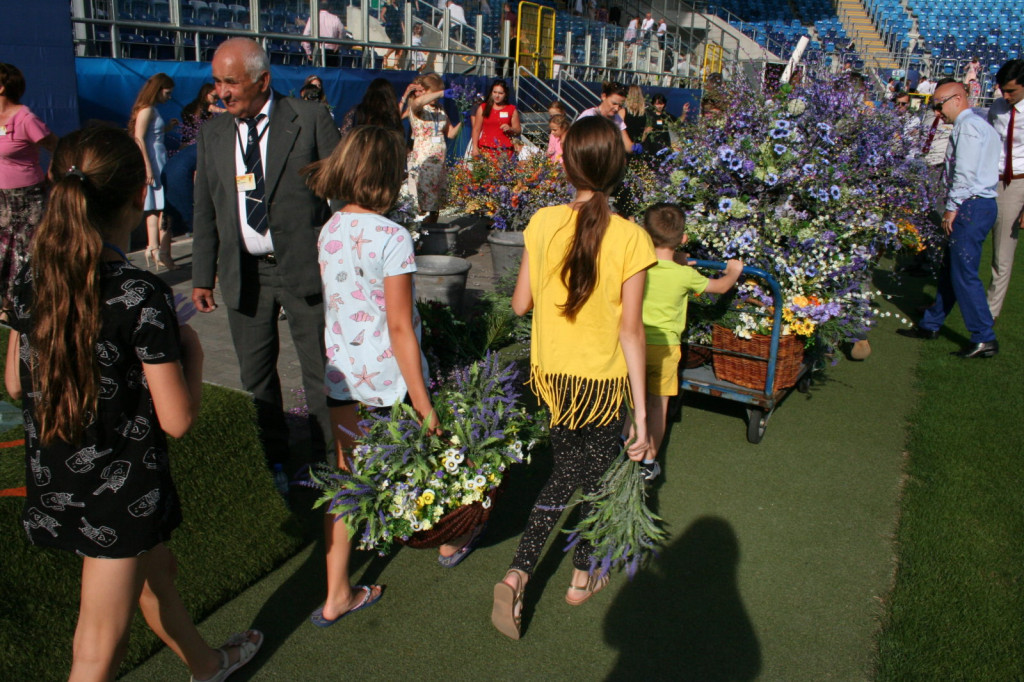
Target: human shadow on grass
291, 604
682, 618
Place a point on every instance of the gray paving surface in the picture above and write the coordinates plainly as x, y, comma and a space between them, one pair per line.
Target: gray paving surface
221, 366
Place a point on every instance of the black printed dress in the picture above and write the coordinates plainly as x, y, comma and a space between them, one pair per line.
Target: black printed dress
112, 495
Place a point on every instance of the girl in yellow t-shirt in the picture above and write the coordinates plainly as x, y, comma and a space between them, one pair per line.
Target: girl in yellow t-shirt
583, 274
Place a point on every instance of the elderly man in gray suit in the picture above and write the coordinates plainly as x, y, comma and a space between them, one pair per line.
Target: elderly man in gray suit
256, 227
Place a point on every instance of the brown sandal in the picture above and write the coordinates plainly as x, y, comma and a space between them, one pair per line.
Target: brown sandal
507, 613
593, 585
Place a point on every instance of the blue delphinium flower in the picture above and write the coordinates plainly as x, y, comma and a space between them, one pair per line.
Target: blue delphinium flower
807, 168
835, 192
779, 133
780, 149
726, 153
782, 123
725, 204
736, 164
771, 179
890, 227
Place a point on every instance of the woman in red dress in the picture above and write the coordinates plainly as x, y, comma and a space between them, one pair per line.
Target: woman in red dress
495, 123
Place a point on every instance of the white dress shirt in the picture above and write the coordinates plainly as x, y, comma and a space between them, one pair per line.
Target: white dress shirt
999, 117
457, 14
255, 243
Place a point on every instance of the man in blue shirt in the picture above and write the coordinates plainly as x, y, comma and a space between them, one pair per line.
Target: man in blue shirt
971, 175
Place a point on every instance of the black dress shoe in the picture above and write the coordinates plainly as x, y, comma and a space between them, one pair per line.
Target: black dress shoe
978, 350
916, 332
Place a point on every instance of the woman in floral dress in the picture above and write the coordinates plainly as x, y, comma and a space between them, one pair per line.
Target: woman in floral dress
428, 175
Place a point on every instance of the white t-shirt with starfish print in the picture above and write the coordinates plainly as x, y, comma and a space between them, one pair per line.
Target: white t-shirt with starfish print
357, 251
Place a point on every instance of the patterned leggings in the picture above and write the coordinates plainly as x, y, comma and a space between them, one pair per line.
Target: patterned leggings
581, 457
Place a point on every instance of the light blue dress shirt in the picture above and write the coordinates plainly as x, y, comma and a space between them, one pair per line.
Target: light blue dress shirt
972, 160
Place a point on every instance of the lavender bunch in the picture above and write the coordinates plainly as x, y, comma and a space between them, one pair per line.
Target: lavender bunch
465, 96
622, 530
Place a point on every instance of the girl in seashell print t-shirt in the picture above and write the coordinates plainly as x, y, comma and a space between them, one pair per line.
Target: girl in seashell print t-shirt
372, 327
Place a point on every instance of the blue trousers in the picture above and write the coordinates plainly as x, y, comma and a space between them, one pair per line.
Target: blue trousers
959, 281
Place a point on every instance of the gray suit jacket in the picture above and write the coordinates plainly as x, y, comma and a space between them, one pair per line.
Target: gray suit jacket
300, 133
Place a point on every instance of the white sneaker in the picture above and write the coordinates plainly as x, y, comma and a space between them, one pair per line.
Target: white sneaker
650, 470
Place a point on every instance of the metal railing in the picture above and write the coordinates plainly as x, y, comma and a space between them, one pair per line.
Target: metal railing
191, 30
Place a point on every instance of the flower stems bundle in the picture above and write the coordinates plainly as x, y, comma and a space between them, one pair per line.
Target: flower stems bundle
620, 528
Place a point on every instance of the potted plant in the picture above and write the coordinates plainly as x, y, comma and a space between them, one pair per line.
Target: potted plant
508, 191
411, 486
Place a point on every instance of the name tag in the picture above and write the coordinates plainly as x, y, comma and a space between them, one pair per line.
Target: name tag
660, 122
245, 183
502, 114
3, 130
437, 139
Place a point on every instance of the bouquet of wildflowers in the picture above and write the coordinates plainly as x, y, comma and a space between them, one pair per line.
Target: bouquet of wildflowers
622, 530
465, 96
404, 479
808, 185
509, 190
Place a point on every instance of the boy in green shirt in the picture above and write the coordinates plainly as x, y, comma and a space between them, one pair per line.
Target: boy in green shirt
668, 288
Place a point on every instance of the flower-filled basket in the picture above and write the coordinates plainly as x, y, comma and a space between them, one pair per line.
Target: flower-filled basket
744, 361
420, 487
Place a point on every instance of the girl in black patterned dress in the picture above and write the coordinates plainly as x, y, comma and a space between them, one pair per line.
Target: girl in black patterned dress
104, 370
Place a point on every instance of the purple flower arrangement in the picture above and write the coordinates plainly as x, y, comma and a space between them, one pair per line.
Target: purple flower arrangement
811, 186
465, 96
404, 478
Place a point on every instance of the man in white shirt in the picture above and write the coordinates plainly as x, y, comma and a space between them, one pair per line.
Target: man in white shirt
457, 13
330, 27
662, 31
926, 86
646, 27
1006, 115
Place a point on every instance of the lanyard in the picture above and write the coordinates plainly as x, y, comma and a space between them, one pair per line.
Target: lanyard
259, 135
115, 249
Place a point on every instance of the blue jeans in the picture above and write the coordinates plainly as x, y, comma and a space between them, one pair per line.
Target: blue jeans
959, 280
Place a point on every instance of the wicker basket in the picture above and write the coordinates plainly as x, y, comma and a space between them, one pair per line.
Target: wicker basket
750, 372
695, 356
457, 522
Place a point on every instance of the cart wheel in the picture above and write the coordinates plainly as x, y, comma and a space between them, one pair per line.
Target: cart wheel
804, 385
757, 422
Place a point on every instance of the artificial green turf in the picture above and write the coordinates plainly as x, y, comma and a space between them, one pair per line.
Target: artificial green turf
235, 530
956, 611
779, 556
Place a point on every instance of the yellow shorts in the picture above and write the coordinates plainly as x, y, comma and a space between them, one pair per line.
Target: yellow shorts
663, 369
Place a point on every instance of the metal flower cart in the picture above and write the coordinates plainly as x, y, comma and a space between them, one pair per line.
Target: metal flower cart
760, 398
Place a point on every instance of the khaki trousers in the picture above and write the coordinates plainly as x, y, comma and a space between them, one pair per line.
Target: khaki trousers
1010, 201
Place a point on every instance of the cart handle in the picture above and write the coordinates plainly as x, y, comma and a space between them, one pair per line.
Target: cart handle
769, 384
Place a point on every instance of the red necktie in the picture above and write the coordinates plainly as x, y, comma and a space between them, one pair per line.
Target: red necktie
1008, 167
931, 135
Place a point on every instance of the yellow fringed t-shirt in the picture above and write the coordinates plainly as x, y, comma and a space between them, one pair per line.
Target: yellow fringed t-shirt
577, 368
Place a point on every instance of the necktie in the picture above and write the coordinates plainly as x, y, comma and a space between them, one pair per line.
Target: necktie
1008, 166
931, 136
255, 209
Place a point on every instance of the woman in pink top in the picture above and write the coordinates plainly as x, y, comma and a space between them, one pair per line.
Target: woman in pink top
22, 191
